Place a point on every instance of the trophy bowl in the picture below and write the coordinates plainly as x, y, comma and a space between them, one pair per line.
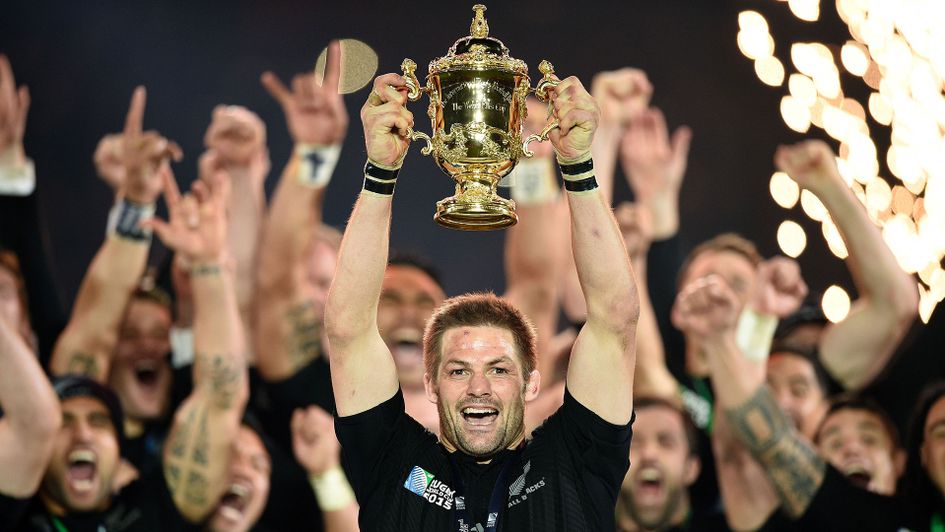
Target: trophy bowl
477, 107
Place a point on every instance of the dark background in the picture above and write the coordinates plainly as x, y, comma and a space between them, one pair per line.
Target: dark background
82, 59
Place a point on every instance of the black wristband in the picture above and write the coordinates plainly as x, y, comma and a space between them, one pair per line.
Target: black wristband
383, 174
581, 185
128, 216
379, 187
577, 168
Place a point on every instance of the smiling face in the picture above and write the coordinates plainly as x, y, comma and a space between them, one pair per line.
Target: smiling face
857, 443
654, 492
245, 498
408, 298
480, 390
85, 458
795, 385
141, 372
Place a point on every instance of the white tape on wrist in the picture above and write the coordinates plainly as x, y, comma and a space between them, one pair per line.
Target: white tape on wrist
16, 180
316, 164
532, 182
754, 334
182, 347
332, 490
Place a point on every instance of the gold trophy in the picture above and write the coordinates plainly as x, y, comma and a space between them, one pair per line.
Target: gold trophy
477, 108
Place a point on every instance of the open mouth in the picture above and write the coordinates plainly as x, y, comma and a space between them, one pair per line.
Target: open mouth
147, 372
650, 481
859, 476
81, 470
479, 415
234, 501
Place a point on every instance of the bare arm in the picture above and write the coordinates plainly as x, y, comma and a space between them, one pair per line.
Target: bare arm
290, 305
86, 345
858, 348
651, 376
199, 446
31, 416
709, 309
622, 95
363, 374
600, 374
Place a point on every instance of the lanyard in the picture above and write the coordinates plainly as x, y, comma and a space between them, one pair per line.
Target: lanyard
496, 501
937, 525
57, 524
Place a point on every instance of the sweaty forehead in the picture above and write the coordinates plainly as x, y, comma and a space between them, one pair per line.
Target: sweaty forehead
411, 280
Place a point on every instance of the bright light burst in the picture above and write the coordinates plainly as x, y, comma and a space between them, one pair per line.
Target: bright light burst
898, 50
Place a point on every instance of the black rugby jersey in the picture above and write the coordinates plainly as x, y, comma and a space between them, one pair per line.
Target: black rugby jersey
566, 477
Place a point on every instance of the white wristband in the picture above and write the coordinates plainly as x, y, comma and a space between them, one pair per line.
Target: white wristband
533, 182
754, 334
316, 164
182, 347
332, 490
16, 180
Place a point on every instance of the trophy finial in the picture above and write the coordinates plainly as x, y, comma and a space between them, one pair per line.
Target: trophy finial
479, 27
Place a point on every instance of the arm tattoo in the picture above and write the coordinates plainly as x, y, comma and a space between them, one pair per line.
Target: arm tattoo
222, 376
794, 468
303, 343
187, 464
83, 364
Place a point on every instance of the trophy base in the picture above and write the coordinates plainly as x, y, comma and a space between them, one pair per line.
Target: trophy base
482, 215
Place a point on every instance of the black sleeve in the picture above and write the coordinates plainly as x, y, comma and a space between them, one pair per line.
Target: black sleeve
12, 511
276, 401
366, 436
839, 505
604, 449
663, 262
22, 231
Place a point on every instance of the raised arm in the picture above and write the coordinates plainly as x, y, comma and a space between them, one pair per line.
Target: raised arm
709, 309
363, 374
651, 376
621, 95
31, 416
289, 303
86, 345
858, 348
600, 375
200, 444
236, 143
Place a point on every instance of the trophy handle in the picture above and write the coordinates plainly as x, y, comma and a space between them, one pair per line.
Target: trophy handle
547, 81
420, 135
414, 90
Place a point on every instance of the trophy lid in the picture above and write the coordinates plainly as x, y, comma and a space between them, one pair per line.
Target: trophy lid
478, 51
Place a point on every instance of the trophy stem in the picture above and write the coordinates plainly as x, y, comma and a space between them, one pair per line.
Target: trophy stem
476, 206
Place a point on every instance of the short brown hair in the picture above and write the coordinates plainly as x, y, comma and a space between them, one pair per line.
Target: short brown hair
730, 242
474, 310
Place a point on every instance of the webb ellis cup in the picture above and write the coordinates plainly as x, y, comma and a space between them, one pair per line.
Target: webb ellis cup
477, 108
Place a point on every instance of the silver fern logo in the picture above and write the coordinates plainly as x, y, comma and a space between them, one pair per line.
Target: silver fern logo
515, 488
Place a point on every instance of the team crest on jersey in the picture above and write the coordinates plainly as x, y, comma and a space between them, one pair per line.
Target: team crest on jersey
519, 490
423, 483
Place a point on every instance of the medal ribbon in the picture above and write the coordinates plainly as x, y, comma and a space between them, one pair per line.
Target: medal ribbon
499, 498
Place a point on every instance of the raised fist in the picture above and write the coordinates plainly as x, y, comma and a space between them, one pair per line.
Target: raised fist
811, 164
386, 121
578, 116
621, 94
781, 289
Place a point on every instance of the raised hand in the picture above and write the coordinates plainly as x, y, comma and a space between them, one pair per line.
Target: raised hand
636, 226
386, 121
622, 95
578, 115
655, 165
14, 106
236, 134
313, 440
130, 162
196, 228
811, 164
314, 110
707, 308
781, 289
